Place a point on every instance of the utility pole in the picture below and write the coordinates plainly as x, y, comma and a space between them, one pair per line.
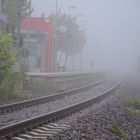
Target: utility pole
55, 40
18, 22
28, 35
18, 33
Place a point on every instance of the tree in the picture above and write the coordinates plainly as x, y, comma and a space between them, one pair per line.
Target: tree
11, 8
6, 63
72, 40
6, 56
9, 79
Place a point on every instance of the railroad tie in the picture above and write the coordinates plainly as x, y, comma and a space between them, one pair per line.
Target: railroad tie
58, 127
42, 133
45, 133
39, 131
34, 134
29, 137
62, 125
47, 129
17, 138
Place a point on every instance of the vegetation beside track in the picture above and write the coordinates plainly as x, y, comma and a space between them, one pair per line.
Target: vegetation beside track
10, 81
133, 105
116, 129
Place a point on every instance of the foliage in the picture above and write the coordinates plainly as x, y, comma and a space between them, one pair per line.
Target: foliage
10, 8
9, 80
134, 111
133, 103
73, 40
6, 61
42, 86
6, 55
70, 41
117, 130
10, 86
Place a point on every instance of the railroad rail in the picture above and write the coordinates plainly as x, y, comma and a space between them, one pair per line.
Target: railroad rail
36, 123
32, 102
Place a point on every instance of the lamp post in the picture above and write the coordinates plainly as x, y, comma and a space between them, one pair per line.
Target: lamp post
18, 22
55, 38
26, 64
18, 34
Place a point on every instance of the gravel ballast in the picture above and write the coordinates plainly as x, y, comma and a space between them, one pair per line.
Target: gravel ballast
108, 120
41, 109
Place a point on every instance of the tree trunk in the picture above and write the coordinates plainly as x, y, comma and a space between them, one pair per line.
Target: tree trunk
73, 65
66, 58
59, 58
70, 63
81, 60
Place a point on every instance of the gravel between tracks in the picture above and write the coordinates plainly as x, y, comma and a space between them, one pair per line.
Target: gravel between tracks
94, 123
34, 111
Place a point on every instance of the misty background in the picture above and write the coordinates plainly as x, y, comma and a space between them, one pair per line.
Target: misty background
112, 30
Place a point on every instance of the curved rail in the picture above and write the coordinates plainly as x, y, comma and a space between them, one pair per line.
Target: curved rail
44, 99
17, 128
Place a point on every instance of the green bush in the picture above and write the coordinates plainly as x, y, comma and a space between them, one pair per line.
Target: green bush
6, 56
7, 59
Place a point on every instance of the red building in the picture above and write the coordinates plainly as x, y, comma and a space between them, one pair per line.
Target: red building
38, 39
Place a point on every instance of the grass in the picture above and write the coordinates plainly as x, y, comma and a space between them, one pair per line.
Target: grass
117, 130
133, 105
134, 111
42, 86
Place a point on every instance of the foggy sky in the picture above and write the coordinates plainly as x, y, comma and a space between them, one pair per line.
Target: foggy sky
113, 29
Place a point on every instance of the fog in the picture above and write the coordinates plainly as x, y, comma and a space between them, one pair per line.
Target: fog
112, 30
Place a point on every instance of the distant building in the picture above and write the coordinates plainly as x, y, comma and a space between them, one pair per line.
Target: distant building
38, 40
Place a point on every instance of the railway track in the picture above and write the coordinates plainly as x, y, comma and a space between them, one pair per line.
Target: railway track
41, 127
41, 100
